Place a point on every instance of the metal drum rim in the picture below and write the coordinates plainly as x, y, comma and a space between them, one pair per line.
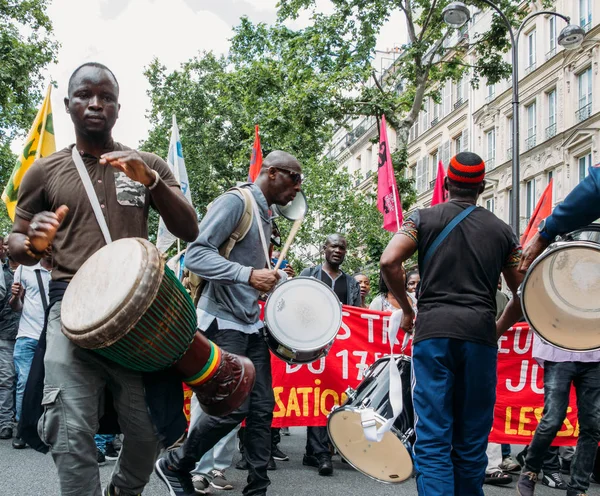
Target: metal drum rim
308, 350
552, 248
393, 429
93, 337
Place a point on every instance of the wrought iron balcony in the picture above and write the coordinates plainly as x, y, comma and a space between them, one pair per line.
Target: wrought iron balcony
530, 142
551, 131
530, 68
583, 112
490, 163
551, 54
458, 103
434, 122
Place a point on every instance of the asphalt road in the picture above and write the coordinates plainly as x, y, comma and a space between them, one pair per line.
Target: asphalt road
27, 473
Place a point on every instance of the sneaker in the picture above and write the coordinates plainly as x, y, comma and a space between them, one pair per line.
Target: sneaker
110, 452
498, 478
509, 464
310, 461
279, 455
200, 484
285, 431
111, 490
218, 480
6, 433
271, 465
178, 483
242, 464
18, 443
100, 457
554, 480
526, 483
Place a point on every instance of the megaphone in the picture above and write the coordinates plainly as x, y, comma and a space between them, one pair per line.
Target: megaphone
294, 210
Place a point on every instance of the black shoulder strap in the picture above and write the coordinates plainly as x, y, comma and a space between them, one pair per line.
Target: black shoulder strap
38, 275
444, 234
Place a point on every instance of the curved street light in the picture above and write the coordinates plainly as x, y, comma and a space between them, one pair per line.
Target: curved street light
457, 14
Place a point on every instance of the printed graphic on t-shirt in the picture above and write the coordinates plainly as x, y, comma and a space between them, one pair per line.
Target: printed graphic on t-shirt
130, 193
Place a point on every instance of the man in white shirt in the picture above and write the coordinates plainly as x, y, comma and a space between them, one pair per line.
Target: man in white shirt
30, 297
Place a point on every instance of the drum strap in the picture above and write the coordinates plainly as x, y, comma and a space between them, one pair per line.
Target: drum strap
89, 189
367, 415
261, 232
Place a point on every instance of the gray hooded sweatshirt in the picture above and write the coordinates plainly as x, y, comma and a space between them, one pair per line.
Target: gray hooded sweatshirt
227, 294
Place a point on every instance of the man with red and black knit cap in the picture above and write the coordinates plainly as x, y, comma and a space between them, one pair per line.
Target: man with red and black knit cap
462, 251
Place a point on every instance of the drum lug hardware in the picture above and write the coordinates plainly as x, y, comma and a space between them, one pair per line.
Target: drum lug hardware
350, 392
366, 403
368, 423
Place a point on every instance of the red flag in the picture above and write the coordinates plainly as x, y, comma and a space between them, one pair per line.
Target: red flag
388, 200
256, 159
440, 194
542, 210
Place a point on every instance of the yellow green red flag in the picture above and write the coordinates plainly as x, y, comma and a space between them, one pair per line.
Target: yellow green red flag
40, 143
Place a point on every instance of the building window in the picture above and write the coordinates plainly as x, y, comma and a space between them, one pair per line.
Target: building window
551, 128
458, 144
425, 115
552, 37
530, 197
460, 96
447, 97
530, 64
489, 204
584, 162
434, 159
549, 177
421, 184
584, 82
531, 128
490, 140
585, 14
491, 93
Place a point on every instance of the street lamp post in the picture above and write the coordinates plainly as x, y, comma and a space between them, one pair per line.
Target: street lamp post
456, 14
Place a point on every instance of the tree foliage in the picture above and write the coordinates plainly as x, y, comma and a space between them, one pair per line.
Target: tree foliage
26, 47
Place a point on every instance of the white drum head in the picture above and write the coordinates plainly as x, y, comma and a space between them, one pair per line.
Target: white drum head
303, 314
103, 285
561, 295
387, 461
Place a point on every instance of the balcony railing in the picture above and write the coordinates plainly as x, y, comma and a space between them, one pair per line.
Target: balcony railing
509, 153
551, 131
551, 54
490, 163
587, 27
530, 68
458, 103
432, 184
584, 112
530, 142
490, 97
434, 122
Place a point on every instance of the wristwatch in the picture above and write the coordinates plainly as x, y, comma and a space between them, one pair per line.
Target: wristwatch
542, 230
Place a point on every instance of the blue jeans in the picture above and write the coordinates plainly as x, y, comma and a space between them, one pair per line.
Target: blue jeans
7, 383
23, 356
454, 391
558, 377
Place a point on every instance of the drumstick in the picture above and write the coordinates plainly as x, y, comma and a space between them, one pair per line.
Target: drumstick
288, 242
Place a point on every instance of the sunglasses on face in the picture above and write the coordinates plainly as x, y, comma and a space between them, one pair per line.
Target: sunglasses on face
295, 176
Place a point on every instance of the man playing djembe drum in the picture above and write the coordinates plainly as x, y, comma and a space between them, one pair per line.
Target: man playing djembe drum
54, 208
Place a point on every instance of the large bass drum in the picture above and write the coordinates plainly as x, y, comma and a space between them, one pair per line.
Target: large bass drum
561, 292
302, 318
389, 460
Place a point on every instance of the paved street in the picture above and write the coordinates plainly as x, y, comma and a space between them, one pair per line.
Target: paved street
27, 473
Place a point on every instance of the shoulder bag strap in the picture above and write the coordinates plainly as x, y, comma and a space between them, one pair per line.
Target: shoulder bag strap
444, 234
260, 230
38, 275
89, 189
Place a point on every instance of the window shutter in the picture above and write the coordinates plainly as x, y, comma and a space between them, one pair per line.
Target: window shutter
465, 140
446, 154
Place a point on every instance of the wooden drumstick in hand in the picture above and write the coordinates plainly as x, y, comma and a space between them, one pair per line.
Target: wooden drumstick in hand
288, 242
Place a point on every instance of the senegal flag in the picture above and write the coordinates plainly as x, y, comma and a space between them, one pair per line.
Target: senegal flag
40, 143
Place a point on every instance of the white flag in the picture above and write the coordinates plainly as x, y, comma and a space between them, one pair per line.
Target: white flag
165, 239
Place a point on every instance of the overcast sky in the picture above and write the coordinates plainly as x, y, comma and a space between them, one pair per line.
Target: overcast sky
126, 35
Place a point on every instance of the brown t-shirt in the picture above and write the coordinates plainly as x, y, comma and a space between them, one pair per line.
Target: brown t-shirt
54, 181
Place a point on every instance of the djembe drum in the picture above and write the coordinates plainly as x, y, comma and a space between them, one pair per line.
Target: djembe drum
126, 305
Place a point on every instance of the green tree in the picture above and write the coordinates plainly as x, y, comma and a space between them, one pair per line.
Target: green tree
26, 47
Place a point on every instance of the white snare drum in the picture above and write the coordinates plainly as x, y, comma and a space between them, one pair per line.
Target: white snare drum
302, 318
561, 292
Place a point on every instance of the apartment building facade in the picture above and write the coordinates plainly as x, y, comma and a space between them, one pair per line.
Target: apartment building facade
559, 118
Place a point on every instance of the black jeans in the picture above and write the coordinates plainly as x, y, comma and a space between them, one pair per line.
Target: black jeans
257, 410
558, 377
317, 442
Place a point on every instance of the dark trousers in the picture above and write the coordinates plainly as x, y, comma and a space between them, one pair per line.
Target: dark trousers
558, 377
317, 442
454, 391
257, 410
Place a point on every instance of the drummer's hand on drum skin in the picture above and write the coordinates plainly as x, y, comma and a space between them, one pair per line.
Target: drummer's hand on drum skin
264, 279
131, 163
43, 226
532, 250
